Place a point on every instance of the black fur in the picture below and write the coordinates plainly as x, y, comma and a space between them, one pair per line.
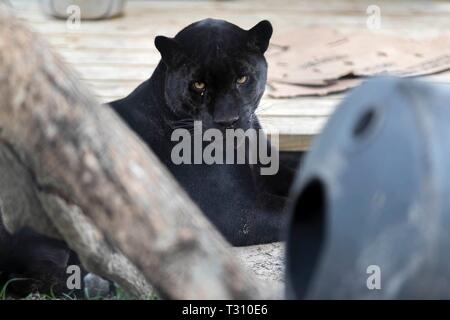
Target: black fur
30, 262
245, 206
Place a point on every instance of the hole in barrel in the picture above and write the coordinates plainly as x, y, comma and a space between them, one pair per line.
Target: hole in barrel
365, 123
306, 237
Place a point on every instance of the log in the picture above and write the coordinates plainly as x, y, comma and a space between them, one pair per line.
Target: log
81, 158
21, 204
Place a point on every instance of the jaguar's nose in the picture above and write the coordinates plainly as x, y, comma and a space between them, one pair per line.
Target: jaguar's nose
227, 122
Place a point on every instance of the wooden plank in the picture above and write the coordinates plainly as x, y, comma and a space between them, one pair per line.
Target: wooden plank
422, 26
142, 9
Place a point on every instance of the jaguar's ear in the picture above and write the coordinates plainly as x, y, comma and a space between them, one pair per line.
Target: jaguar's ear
171, 52
259, 36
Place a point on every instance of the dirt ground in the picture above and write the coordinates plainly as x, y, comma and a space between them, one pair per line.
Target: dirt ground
267, 263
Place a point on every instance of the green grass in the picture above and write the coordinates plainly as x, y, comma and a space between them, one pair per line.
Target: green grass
119, 295
3, 290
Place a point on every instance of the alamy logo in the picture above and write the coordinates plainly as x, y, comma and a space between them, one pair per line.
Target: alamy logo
73, 21
374, 280
374, 19
235, 147
74, 279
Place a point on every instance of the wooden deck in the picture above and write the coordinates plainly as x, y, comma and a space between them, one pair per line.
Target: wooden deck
114, 56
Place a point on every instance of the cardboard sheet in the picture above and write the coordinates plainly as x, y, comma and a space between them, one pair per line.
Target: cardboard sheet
305, 62
284, 90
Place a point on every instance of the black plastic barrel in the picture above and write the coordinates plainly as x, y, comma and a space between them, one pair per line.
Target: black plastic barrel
371, 203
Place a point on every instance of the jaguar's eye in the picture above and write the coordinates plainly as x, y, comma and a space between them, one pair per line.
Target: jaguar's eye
242, 80
199, 86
